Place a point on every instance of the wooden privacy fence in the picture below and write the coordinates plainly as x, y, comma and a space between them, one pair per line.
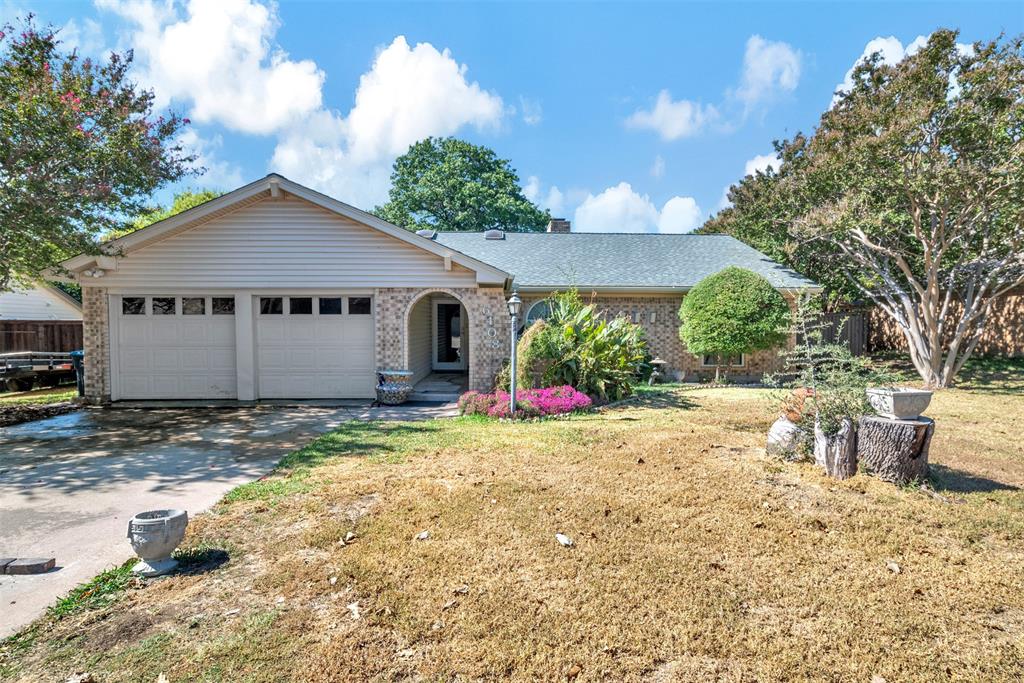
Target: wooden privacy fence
847, 327
40, 335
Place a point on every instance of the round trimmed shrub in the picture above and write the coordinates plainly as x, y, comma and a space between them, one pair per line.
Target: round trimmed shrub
732, 312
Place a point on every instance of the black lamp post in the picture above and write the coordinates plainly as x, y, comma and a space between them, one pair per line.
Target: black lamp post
515, 304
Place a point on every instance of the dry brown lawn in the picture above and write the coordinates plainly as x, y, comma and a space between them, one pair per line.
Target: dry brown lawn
695, 558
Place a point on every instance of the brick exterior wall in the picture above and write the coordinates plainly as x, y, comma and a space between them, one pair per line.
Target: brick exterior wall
1003, 335
659, 316
96, 336
488, 329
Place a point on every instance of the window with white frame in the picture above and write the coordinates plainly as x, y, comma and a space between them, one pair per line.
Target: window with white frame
711, 360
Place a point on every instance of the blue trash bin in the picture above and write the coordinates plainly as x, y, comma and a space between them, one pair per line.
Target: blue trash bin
78, 360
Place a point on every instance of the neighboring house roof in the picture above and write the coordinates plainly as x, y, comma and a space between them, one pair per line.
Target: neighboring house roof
41, 302
617, 261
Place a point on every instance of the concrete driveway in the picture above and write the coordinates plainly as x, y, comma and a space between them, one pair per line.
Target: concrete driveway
69, 484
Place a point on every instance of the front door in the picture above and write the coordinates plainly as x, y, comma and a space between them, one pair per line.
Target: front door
449, 347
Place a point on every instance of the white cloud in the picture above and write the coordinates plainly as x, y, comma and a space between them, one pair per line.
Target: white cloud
531, 110
220, 175
220, 58
891, 51
658, 167
680, 214
408, 94
553, 200
621, 209
769, 68
673, 119
761, 162
86, 38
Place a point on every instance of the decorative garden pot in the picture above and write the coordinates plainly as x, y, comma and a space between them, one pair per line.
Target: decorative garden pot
393, 386
899, 403
154, 535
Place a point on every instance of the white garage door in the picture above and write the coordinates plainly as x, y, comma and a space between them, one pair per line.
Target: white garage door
175, 347
315, 346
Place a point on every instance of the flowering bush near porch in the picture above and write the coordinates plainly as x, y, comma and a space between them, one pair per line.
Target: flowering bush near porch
578, 346
529, 402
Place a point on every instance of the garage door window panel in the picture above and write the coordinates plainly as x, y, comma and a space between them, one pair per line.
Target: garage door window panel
271, 305
193, 305
223, 305
133, 305
300, 305
359, 305
330, 305
164, 305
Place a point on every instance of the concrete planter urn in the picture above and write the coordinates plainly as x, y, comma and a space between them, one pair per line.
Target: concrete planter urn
393, 386
899, 403
154, 535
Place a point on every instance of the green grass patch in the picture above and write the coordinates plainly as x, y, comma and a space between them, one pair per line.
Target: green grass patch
101, 591
39, 398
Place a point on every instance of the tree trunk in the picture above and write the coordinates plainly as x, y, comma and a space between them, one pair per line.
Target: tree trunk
895, 450
837, 453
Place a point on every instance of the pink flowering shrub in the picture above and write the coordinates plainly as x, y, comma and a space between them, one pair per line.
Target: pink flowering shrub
529, 402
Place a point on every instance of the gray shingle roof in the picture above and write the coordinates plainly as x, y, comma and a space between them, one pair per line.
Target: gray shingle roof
615, 260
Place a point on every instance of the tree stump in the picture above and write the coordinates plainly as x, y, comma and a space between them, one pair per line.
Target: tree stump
895, 450
837, 453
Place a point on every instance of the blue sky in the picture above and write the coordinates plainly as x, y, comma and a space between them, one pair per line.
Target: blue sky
620, 116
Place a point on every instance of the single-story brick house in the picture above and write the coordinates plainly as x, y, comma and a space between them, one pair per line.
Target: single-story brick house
277, 291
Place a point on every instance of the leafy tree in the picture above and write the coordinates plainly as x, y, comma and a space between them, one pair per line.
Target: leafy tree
80, 149
916, 182
732, 312
183, 201
450, 184
910, 194
764, 206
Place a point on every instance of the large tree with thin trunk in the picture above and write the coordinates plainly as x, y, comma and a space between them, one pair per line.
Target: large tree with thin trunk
910, 194
916, 179
81, 150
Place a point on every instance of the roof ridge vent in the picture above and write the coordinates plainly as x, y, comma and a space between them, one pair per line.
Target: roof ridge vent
494, 234
429, 234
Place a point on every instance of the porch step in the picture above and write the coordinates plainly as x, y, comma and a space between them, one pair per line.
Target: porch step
434, 396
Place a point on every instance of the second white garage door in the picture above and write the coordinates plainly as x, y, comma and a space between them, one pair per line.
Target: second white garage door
315, 346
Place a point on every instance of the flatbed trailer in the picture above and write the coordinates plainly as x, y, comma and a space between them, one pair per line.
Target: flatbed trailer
22, 370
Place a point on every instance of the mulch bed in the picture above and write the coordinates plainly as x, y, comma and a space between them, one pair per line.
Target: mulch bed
16, 414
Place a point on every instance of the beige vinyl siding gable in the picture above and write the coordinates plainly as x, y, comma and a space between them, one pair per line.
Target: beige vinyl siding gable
37, 303
283, 243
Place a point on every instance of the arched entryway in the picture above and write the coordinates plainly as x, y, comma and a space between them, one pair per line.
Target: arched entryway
437, 348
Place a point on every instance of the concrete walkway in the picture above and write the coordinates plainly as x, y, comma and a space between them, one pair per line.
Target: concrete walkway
69, 484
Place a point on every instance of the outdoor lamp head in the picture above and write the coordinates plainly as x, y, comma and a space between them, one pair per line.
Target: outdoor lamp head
514, 305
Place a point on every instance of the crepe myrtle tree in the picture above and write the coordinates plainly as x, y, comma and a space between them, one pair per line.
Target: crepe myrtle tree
732, 312
80, 150
916, 179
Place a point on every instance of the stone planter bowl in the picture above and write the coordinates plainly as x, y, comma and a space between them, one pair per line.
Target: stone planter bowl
899, 403
393, 386
154, 535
